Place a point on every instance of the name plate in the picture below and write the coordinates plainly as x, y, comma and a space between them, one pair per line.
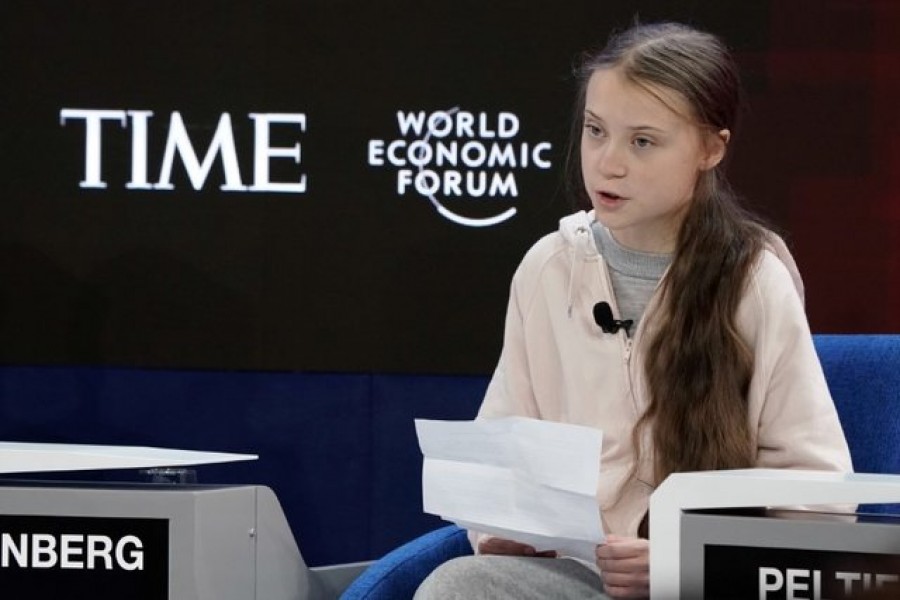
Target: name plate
52, 557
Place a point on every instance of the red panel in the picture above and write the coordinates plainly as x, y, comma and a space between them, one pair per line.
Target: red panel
832, 71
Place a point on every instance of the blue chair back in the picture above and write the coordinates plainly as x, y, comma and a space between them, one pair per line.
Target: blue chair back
863, 373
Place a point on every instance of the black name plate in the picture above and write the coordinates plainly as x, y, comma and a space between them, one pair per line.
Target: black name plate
44, 557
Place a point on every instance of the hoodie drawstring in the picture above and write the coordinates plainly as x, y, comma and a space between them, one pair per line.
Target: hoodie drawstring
582, 235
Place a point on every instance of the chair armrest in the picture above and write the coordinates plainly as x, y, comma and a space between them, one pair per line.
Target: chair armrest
397, 575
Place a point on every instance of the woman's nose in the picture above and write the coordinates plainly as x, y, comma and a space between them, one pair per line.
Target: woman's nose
611, 161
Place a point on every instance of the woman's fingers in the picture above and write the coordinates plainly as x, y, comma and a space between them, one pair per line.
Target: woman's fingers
625, 566
494, 545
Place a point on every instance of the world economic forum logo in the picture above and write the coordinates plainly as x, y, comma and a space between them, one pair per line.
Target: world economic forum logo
454, 156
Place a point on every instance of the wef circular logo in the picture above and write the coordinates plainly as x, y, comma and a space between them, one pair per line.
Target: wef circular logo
454, 157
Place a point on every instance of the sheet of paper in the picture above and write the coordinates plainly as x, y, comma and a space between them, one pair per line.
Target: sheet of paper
523, 479
21, 457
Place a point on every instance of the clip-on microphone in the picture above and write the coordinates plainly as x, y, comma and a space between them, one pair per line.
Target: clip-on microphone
604, 318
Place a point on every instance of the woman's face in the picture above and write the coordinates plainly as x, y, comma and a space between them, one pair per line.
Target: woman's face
641, 157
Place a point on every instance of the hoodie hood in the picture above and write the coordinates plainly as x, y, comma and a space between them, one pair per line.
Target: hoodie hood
576, 232
576, 229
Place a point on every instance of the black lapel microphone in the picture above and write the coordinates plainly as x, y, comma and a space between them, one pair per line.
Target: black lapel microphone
604, 318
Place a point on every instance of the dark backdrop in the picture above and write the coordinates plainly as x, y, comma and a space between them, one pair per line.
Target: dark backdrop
198, 318
349, 275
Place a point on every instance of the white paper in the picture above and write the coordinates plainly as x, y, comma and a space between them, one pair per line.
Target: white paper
20, 457
522, 479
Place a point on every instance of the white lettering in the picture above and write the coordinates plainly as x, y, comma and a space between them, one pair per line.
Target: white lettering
536, 157
483, 130
502, 156
465, 167
427, 182
480, 154
476, 188
473, 154
420, 153
222, 143
440, 124
447, 154
139, 120
451, 184
392, 153
794, 586
505, 186
19, 552
69, 549
404, 179
817, 586
92, 140
848, 578
134, 560
99, 546
43, 551
770, 580
263, 152
507, 125
376, 153
454, 183
464, 122
410, 121
178, 141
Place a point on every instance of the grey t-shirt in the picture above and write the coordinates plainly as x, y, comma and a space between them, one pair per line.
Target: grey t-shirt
634, 275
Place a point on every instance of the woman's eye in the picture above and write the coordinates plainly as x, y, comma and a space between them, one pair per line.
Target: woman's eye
593, 130
643, 142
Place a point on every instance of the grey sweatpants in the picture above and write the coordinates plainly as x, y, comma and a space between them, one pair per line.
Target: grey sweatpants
519, 577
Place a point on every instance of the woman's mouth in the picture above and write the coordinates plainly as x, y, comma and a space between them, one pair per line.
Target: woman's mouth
609, 199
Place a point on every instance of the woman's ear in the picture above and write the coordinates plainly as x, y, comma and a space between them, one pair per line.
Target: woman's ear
716, 145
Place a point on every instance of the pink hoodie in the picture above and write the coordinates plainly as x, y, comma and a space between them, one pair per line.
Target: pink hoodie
558, 365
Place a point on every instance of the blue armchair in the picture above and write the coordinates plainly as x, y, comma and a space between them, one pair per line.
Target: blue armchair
397, 574
863, 373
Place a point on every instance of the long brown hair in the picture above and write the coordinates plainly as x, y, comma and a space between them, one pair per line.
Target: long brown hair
697, 366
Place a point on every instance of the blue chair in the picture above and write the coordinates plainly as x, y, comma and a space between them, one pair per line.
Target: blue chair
863, 374
399, 573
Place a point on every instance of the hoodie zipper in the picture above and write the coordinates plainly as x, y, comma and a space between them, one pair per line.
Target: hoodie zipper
623, 336
627, 343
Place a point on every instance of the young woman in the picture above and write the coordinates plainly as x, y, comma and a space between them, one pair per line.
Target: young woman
717, 368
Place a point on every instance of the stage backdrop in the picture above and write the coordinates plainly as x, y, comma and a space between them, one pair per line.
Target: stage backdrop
289, 228
348, 186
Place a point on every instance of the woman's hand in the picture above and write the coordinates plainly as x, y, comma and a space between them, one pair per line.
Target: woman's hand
625, 567
495, 545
